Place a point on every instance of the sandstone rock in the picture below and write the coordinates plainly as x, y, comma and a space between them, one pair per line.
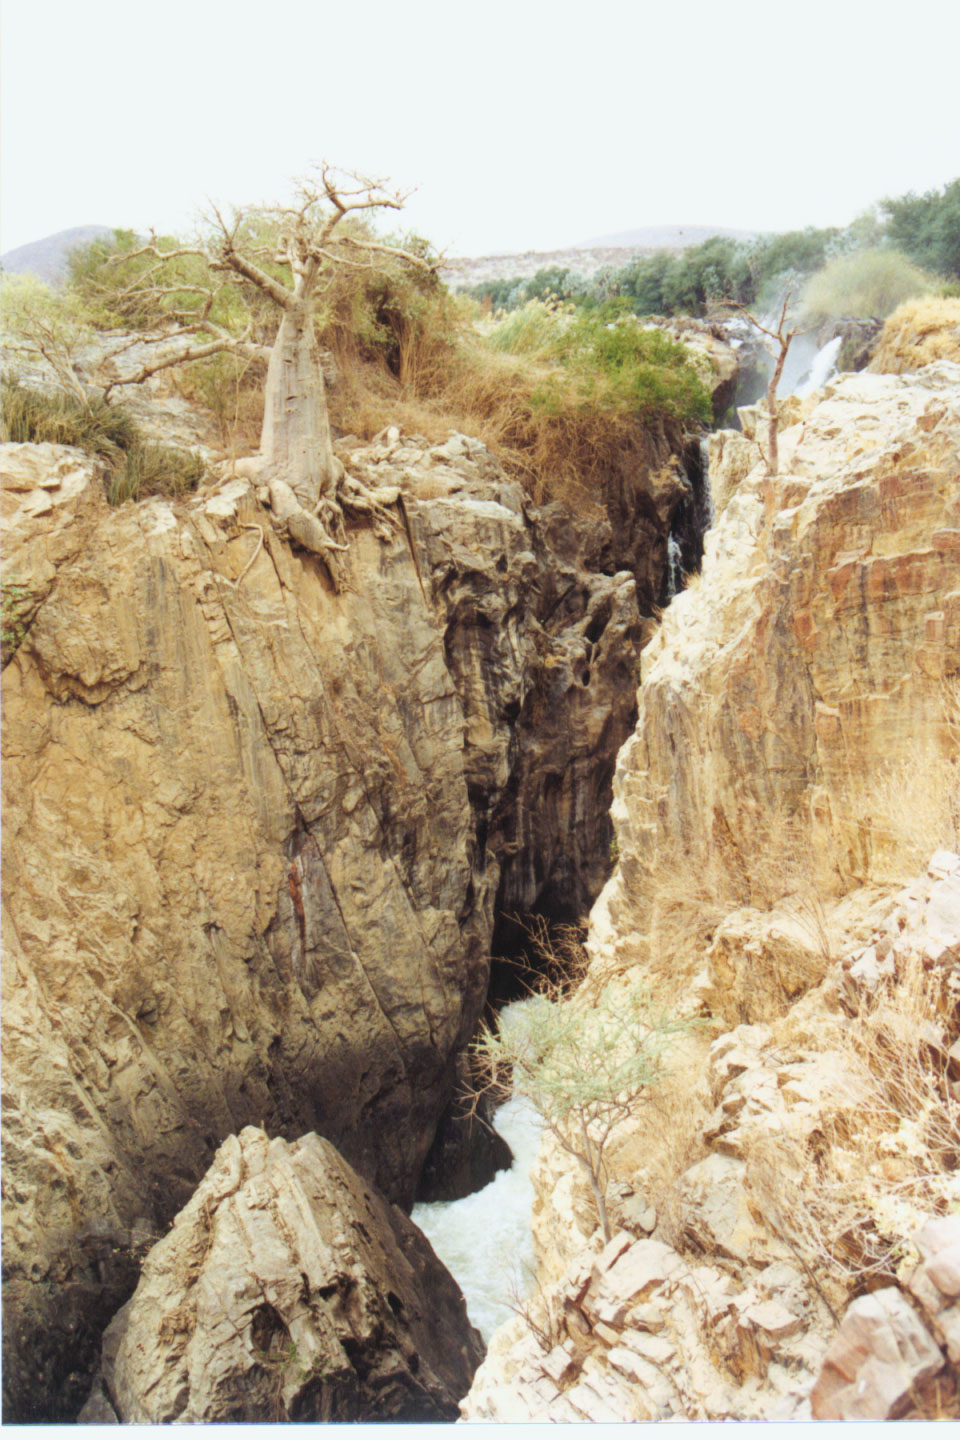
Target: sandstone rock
803, 645
879, 1353
943, 864
731, 457
717, 1212
288, 1290
637, 1273
935, 1282
759, 963
254, 832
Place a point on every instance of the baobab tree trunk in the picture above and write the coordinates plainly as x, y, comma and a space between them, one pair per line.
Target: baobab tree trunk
295, 441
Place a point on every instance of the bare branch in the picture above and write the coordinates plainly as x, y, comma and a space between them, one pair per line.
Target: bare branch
182, 357
378, 249
232, 259
153, 249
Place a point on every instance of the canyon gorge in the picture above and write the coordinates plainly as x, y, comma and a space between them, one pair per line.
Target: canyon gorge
263, 835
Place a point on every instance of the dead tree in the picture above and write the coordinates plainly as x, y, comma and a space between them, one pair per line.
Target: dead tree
783, 338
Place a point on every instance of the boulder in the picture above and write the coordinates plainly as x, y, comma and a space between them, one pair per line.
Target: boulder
288, 1290
935, 1283
881, 1351
760, 962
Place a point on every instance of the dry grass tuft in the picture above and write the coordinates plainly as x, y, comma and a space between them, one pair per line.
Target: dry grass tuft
666, 1138
917, 333
886, 1150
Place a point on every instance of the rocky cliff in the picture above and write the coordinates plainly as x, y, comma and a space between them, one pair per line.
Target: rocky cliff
794, 766
254, 832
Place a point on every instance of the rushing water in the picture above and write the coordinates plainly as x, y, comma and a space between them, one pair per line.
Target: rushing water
822, 367
485, 1239
674, 566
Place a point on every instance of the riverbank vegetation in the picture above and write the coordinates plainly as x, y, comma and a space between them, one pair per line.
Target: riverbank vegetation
561, 386
922, 232
397, 349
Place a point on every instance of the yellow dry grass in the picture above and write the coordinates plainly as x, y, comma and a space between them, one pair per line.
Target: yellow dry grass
852, 1193
556, 451
665, 1138
917, 333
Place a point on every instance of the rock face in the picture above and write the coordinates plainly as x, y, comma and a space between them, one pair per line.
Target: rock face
880, 1353
287, 1290
637, 1332
796, 743
726, 1318
253, 836
811, 655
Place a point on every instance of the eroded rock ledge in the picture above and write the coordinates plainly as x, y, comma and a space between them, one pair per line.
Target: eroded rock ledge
786, 815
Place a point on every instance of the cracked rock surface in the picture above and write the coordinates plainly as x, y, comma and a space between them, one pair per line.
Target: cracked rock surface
287, 1290
253, 834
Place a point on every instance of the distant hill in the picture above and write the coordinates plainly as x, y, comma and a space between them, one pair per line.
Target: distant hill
47, 258
666, 237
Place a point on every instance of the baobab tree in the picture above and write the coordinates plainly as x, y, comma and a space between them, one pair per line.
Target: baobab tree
289, 255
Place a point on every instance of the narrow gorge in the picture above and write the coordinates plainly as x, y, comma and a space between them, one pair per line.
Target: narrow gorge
263, 834
258, 834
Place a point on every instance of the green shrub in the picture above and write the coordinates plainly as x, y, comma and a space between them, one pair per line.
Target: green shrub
927, 228
584, 1069
869, 283
611, 362
622, 365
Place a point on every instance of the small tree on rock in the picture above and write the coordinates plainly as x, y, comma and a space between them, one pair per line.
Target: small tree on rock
287, 256
584, 1068
782, 338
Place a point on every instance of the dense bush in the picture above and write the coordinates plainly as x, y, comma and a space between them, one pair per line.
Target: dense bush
624, 365
604, 360
866, 283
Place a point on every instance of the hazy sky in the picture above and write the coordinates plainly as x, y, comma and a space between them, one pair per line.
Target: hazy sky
526, 125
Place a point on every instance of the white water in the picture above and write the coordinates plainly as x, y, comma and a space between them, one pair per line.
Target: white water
707, 511
674, 566
822, 367
485, 1240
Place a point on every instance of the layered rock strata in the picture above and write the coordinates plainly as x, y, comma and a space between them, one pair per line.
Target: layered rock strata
287, 1290
254, 832
813, 652
710, 1306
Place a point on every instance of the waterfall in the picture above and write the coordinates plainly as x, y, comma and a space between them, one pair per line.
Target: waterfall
822, 367
674, 566
485, 1239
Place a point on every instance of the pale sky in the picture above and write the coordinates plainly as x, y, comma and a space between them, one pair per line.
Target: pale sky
533, 124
